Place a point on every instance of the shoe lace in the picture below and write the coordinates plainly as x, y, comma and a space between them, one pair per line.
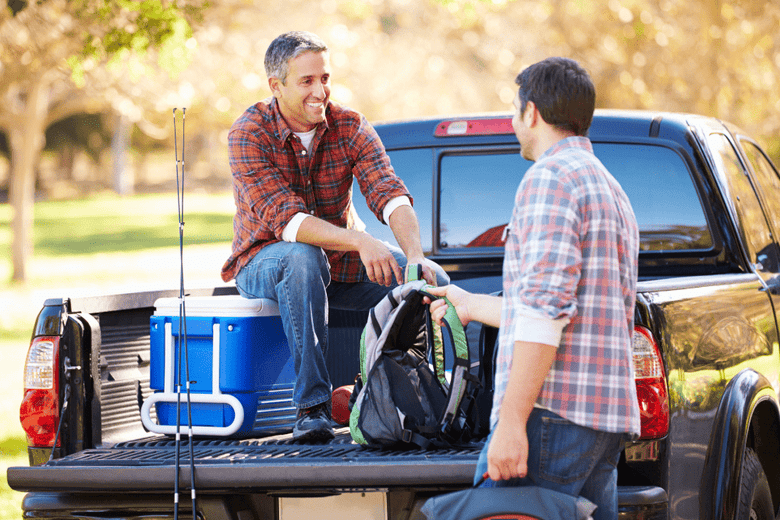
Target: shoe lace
315, 411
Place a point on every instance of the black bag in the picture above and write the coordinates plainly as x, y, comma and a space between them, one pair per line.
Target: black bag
404, 396
483, 395
508, 503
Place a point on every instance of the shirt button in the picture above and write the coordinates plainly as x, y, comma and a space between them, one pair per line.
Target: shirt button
303, 152
312, 212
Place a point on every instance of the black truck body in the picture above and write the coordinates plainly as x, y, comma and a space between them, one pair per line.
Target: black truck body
708, 203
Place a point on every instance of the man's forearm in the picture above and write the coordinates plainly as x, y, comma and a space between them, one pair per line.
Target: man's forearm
381, 267
406, 229
507, 455
485, 308
317, 232
531, 362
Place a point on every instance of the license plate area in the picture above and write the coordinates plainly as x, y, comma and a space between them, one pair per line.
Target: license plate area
364, 505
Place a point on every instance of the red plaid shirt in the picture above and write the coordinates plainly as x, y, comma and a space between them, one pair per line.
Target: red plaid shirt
274, 177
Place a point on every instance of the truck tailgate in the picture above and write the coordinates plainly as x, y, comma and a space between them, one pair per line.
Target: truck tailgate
275, 464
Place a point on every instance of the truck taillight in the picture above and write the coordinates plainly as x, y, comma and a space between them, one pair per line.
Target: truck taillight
40, 410
650, 385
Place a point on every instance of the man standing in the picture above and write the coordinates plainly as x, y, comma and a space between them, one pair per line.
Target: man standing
565, 397
297, 238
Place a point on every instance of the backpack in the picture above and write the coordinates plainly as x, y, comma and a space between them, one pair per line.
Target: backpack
403, 395
507, 503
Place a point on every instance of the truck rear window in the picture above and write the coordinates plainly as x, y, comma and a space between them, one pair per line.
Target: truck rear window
478, 193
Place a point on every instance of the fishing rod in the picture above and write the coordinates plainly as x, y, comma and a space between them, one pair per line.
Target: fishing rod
182, 333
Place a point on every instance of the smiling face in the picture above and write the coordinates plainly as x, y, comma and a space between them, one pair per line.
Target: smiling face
302, 100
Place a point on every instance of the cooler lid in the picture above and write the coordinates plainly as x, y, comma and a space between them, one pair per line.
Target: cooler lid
232, 306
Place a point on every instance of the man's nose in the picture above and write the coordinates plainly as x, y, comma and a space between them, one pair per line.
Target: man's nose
319, 90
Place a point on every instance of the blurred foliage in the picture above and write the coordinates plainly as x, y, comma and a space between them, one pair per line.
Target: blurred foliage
59, 58
86, 132
50, 40
404, 58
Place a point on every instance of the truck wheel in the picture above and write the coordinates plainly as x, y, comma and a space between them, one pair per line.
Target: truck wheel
755, 498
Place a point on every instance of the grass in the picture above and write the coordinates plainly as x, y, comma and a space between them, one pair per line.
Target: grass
112, 224
105, 242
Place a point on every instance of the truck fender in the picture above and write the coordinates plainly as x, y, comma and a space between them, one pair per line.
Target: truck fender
748, 412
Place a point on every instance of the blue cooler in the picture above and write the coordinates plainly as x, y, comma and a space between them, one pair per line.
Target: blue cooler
240, 368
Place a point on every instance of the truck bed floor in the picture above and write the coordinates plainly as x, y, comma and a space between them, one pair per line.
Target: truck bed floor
274, 463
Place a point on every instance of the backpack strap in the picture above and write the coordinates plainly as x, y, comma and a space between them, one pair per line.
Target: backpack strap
410, 437
461, 377
414, 272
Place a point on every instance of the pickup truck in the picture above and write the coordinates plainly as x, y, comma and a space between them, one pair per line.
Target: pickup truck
707, 200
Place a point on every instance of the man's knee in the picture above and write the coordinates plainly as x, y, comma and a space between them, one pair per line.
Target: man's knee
305, 263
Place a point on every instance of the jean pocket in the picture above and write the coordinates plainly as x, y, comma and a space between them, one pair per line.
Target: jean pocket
567, 452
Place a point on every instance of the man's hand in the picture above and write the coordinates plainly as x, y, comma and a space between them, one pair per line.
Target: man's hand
508, 452
379, 262
428, 274
457, 296
483, 308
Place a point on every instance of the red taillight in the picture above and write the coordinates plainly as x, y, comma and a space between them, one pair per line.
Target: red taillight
650, 385
40, 410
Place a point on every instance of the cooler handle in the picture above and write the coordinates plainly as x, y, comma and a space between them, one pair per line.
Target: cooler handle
194, 398
169, 396
170, 368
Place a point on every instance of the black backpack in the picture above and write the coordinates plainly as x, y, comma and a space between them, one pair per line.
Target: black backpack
404, 395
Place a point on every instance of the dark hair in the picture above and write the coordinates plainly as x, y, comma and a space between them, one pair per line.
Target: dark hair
562, 91
288, 46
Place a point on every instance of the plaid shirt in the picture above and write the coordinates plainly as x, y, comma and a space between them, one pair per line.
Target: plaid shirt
571, 254
274, 177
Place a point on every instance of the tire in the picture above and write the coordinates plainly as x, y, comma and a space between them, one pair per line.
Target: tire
755, 498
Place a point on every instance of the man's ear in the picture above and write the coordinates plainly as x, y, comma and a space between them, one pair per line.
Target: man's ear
531, 114
273, 84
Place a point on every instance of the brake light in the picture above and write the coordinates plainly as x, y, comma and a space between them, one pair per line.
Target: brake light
40, 410
491, 126
651, 389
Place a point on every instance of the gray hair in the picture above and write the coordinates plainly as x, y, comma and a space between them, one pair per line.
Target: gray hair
286, 47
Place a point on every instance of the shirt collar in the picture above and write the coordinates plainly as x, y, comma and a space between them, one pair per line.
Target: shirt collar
282, 131
575, 141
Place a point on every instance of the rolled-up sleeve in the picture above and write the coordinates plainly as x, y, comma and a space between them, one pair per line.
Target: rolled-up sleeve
261, 187
548, 257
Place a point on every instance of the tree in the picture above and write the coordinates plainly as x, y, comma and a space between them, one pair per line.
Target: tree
49, 56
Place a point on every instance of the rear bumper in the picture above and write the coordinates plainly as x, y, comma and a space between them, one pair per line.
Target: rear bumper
635, 503
642, 503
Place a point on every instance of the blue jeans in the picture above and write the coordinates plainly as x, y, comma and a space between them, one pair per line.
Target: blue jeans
297, 276
568, 458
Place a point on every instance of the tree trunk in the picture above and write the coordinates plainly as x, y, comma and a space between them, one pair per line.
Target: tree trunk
124, 179
26, 142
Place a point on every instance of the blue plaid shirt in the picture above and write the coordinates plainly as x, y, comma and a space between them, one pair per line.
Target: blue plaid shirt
571, 255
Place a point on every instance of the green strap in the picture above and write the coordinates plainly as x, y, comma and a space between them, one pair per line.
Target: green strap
458, 334
414, 272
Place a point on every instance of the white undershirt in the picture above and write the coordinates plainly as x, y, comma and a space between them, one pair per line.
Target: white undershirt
306, 138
